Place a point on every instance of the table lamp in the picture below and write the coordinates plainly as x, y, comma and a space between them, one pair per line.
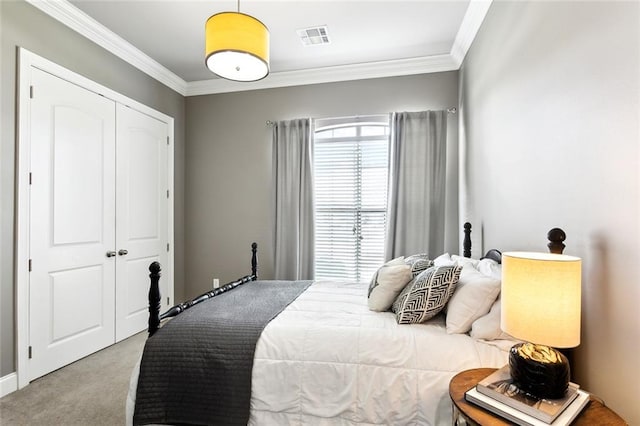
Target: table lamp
541, 305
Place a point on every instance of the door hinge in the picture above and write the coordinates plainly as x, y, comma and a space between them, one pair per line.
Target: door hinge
30, 352
167, 300
167, 246
167, 193
30, 264
31, 92
167, 140
30, 178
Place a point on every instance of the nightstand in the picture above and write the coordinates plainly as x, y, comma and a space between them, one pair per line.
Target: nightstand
595, 413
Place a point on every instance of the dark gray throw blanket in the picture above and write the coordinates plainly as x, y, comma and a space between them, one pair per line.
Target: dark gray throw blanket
196, 369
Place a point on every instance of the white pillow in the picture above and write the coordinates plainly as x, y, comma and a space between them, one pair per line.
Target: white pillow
487, 327
387, 283
490, 268
426, 295
472, 299
460, 260
443, 260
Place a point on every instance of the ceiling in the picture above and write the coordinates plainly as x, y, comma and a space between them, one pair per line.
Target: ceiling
367, 38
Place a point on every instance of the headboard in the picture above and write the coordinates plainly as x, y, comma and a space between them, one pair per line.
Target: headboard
556, 237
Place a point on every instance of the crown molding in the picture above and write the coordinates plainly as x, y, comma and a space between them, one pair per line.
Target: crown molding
469, 27
363, 71
88, 27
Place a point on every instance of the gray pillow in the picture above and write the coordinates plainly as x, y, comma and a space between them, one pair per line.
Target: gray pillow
426, 295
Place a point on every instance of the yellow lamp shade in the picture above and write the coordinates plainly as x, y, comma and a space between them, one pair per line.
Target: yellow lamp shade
541, 297
237, 46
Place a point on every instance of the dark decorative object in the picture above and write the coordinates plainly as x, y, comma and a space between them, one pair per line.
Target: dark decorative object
154, 298
466, 243
539, 370
556, 236
254, 260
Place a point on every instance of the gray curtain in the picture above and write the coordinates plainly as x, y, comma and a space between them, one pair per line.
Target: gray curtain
415, 218
294, 210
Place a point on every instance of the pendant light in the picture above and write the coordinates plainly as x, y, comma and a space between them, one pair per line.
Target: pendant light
237, 46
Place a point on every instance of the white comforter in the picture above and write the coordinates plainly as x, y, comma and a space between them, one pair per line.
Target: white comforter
328, 360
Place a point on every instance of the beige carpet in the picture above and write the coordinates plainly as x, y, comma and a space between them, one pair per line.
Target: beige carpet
91, 391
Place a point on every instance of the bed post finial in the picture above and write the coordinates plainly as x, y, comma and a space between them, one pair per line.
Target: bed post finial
154, 298
556, 236
466, 243
254, 260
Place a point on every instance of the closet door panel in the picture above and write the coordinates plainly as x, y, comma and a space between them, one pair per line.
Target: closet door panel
141, 215
72, 218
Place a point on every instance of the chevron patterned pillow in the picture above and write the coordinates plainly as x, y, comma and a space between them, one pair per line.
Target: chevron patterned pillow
426, 295
418, 263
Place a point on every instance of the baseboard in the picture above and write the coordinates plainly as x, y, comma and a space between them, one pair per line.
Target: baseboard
8, 384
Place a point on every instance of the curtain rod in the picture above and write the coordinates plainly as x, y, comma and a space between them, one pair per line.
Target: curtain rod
451, 110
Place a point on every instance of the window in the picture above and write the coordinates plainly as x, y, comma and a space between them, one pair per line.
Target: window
351, 161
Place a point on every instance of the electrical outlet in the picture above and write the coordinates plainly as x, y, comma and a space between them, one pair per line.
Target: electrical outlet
216, 283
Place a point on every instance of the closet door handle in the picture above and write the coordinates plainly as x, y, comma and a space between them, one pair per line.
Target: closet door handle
111, 253
123, 252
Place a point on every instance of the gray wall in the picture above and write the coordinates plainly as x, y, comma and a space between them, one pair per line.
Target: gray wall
228, 178
550, 128
23, 25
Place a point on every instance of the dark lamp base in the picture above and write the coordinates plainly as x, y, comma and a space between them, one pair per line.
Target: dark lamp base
539, 370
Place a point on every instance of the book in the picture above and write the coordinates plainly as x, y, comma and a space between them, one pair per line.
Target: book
565, 418
499, 386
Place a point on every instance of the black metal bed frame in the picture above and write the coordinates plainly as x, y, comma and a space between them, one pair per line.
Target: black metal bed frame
556, 236
154, 292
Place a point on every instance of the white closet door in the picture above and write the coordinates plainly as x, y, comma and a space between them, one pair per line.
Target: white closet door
72, 289
141, 215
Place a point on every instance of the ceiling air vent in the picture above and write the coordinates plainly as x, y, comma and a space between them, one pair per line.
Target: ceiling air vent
314, 36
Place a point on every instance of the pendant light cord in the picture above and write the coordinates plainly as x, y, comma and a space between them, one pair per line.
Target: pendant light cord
238, 6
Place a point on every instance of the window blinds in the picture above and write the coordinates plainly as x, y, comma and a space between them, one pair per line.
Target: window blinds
350, 179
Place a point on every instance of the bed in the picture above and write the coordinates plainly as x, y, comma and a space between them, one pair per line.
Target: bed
323, 357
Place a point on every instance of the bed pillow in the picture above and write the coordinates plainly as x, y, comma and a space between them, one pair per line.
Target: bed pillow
426, 295
487, 327
472, 299
387, 283
461, 260
443, 260
490, 268
418, 263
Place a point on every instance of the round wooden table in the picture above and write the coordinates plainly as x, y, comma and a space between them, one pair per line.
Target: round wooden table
595, 413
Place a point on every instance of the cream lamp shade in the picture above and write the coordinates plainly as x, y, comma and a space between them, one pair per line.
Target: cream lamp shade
541, 297
237, 46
